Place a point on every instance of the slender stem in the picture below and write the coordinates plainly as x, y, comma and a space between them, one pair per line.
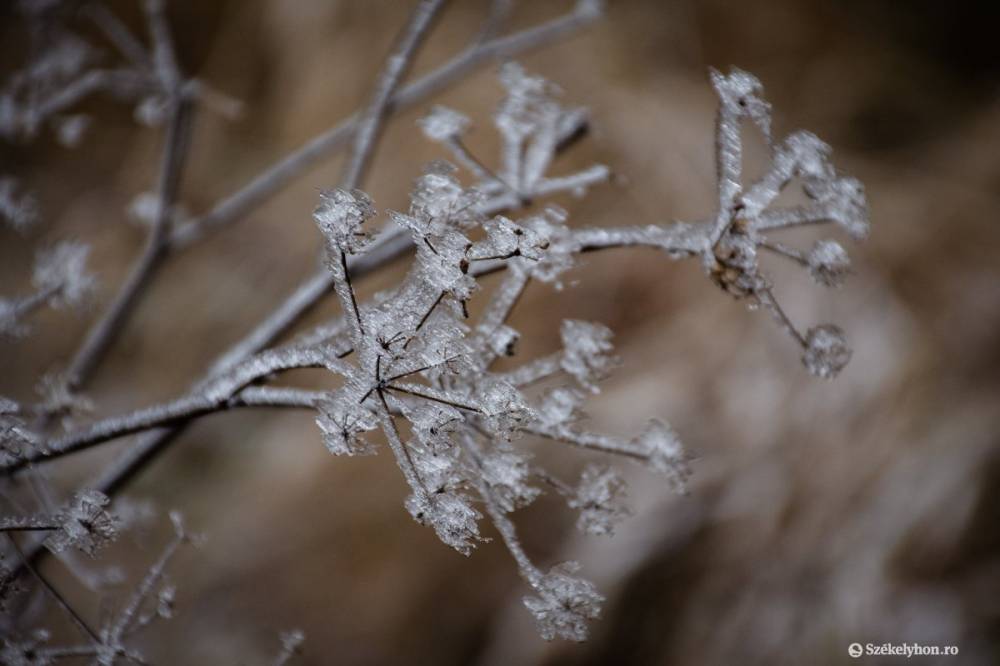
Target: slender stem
766, 298
77, 620
129, 614
160, 416
430, 394
591, 441
28, 528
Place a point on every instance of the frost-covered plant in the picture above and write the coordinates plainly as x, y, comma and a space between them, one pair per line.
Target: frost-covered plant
412, 354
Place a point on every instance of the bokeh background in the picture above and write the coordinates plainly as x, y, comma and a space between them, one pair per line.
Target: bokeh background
821, 513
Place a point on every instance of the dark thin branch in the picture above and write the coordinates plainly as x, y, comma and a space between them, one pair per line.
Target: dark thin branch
77, 620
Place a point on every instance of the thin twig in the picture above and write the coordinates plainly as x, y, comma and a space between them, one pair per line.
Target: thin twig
77, 620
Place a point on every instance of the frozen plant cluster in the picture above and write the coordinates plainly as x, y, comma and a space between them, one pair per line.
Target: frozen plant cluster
445, 392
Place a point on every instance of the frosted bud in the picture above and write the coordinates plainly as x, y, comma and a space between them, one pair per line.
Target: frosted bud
845, 203
503, 407
558, 256
503, 340
84, 525
433, 424
826, 351
528, 98
342, 419
440, 201
600, 497
443, 123
665, 452
505, 239
451, 515
561, 406
18, 211
587, 353
829, 264
443, 266
506, 471
151, 111
70, 129
340, 215
810, 155
741, 96
564, 603
437, 468
63, 270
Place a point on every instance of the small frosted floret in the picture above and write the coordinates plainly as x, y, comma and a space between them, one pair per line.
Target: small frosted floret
558, 256
665, 453
85, 525
443, 124
810, 154
503, 408
505, 239
444, 267
826, 351
527, 102
342, 421
62, 269
18, 210
70, 129
437, 468
587, 353
340, 215
564, 603
600, 498
741, 95
561, 407
844, 202
829, 264
451, 515
503, 340
507, 473
440, 202
433, 424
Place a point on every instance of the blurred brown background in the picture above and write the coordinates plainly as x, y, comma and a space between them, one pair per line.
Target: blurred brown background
822, 513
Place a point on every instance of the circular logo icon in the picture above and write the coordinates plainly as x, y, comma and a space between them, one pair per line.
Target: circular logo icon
855, 650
